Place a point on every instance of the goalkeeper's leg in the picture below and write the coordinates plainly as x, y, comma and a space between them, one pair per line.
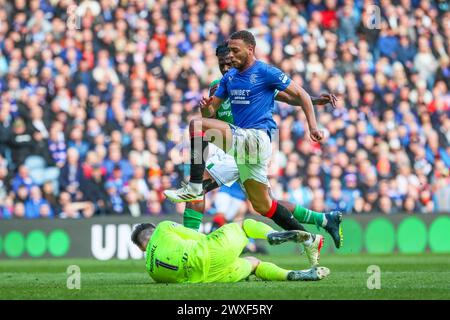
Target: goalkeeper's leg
271, 272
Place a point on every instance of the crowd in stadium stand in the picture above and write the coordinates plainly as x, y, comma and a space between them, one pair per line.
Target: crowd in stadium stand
94, 110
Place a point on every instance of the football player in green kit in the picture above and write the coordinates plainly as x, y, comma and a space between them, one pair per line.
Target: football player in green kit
176, 254
221, 169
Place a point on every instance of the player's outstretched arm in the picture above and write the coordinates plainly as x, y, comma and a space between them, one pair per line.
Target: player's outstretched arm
304, 98
323, 99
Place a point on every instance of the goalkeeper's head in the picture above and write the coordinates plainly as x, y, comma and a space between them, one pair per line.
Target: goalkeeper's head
141, 235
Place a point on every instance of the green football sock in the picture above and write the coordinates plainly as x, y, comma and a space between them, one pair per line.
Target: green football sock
192, 219
255, 229
304, 215
271, 272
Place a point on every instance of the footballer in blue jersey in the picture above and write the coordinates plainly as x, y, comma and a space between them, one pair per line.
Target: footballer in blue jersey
222, 170
251, 94
250, 86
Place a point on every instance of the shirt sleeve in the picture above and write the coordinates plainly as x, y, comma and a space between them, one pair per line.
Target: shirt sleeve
277, 79
222, 91
212, 85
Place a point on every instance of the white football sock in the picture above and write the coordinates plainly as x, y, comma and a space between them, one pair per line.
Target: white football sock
197, 187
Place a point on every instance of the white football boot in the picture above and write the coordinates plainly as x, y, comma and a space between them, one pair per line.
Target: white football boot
313, 274
313, 250
187, 193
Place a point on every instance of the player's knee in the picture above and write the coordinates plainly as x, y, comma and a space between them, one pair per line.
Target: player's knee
262, 207
259, 198
247, 222
195, 126
287, 205
206, 175
254, 261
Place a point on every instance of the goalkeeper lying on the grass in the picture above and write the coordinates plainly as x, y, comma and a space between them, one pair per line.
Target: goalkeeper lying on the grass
177, 254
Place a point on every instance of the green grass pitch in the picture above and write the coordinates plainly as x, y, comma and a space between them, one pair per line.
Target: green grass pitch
424, 276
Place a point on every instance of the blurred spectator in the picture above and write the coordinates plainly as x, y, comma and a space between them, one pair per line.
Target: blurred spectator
22, 179
358, 205
442, 195
134, 206
385, 205
5, 128
19, 210
57, 145
71, 175
115, 160
74, 210
387, 42
118, 181
335, 200
110, 101
116, 203
50, 195
21, 142
409, 205
424, 61
406, 52
139, 184
4, 210
329, 15
347, 24
298, 193
350, 190
76, 141
36, 206
94, 189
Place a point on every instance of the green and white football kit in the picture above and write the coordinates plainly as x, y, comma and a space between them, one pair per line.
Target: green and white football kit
221, 165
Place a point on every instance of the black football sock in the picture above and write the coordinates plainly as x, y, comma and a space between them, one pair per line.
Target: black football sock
198, 147
283, 217
209, 185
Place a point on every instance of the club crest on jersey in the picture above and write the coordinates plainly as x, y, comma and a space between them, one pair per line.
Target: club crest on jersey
283, 78
226, 105
253, 77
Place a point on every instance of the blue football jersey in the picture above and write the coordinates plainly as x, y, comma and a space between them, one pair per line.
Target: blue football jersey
252, 94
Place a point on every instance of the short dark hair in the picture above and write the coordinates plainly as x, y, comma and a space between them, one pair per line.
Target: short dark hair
245, 36
136, 234
222, 50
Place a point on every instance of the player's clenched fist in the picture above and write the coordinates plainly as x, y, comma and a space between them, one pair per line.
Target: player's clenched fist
205, 107
205, 102
316, 135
